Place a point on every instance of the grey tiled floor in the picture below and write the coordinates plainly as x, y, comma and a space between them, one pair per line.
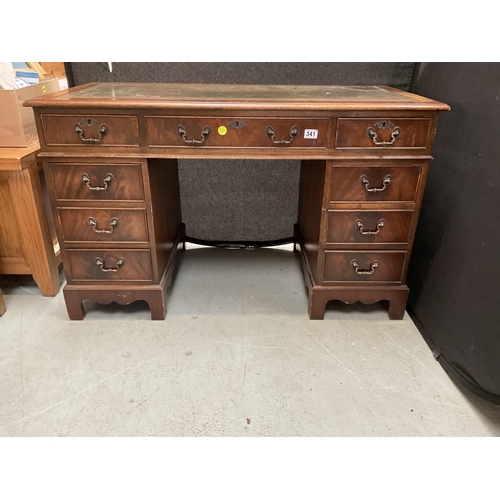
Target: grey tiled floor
236, 356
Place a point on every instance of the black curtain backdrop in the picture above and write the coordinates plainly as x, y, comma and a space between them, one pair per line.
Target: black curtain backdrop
454, 273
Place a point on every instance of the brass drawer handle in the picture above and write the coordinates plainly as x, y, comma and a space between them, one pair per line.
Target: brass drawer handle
103, 130
107, 181
355, 265
361, 227
294, 132
112, 225
204, 134
371, 134
100, 263
385, 183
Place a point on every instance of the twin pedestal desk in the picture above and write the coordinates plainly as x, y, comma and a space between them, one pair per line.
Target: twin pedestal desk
110, 150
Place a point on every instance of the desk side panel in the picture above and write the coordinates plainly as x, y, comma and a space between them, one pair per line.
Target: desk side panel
312, 182
165, 207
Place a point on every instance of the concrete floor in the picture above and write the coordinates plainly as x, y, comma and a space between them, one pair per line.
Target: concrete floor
236, 356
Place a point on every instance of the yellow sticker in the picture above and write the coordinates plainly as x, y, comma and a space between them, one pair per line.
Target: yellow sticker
44, 89
222, 130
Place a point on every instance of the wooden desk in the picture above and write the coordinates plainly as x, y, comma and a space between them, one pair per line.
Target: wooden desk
26, 242
110, 155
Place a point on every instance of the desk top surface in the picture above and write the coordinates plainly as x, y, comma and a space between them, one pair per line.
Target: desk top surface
222, 96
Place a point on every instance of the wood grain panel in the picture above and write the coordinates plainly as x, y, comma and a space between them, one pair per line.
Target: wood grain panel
352, 226
59, 130
126, 184
3, 309
26, 242
312, 182
345, 183
165, 207
352, 133
339, 266
131, 225
11, 244
136, 267
162, 131
34, 229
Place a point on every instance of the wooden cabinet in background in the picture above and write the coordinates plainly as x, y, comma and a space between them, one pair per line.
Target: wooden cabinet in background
2, 304
28, 242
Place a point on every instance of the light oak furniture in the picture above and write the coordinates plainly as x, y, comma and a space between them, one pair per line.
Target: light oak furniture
27, 244
110, 154
2, 304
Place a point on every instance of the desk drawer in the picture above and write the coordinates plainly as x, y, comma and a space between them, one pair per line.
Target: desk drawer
90, 130
364, 266
94, 224
374, 183
110, 265
366, 226
88, 181
382, 133
237, 132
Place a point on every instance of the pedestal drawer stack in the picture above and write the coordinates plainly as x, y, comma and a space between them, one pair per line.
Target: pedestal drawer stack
116, 245
369, 211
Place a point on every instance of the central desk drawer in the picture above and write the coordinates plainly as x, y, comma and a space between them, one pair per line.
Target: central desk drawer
93, 224
90, 130
88, 181
110, 265
237, 132
374, 183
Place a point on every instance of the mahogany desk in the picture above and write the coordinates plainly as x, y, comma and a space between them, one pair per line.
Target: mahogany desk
110, 151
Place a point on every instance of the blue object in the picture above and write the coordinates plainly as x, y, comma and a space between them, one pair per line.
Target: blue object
29, 77
19, 65
21, 83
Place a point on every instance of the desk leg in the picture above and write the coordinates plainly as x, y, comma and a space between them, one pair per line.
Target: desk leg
34, 228
2, 304
74, 304
74, 297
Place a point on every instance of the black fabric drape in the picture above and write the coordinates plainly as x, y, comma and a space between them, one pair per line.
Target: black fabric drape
454, 273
